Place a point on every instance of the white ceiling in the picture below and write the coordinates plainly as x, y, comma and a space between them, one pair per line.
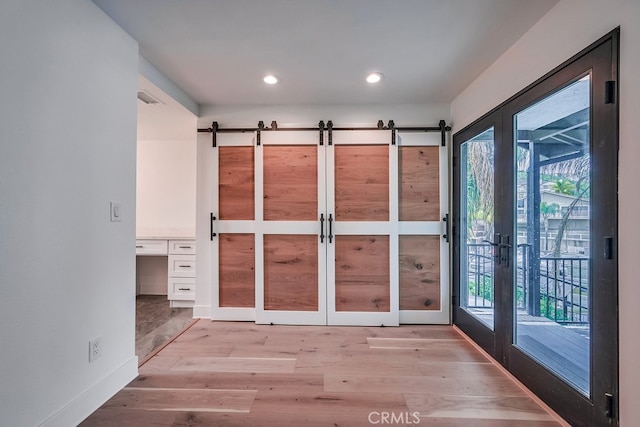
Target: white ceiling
429, 50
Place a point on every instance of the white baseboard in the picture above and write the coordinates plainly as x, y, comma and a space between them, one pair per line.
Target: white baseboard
83, 405
202, 312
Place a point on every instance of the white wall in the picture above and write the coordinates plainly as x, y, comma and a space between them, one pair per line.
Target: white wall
67, 133
166, 186
285, 115
567, 29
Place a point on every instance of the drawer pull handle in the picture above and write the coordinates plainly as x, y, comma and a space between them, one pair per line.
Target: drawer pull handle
185, 266
184, 289
184, 247
139, 246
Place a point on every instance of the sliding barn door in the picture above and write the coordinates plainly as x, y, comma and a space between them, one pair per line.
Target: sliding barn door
345, 233
363, 241
233, 223
291, 273
423, 243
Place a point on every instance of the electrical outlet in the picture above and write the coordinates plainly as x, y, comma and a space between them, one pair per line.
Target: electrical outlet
95, 349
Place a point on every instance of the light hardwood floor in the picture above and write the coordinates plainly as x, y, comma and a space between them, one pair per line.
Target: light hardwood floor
242, 374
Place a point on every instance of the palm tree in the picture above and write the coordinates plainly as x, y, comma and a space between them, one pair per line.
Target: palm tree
480, 203
564, 186
547, 210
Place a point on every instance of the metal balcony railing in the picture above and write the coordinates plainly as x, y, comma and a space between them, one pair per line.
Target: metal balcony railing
557, 289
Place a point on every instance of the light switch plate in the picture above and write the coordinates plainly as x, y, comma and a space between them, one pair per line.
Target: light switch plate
116, 211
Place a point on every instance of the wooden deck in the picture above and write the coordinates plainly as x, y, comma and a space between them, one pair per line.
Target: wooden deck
563, 349
242, 374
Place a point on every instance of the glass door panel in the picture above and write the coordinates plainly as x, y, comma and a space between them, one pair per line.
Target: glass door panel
553, 186
477, 249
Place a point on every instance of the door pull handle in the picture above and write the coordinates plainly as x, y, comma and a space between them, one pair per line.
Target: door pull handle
445, 236
321, 228
504, 244
211, 219
495, 247
330, 228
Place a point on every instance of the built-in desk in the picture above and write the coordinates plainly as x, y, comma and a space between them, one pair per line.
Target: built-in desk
171, 271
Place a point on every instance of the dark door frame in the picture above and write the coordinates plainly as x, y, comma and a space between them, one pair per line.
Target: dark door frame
600, 408
481, 334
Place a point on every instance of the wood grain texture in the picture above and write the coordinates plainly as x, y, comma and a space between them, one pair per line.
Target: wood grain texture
330, 377
411, 343
380, 383
236, 281
236, 364
290, 183
362, 182
476, 407
419, 198
291, 272
362, 273
182, 399
236, 183
420, 273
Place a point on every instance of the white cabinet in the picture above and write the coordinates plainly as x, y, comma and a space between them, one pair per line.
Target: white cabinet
151, 247
182, 272
181, 267
182, 288
182, 247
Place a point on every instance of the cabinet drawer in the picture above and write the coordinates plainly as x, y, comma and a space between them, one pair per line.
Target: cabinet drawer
182, 247
151, 247
182, 266
182, 288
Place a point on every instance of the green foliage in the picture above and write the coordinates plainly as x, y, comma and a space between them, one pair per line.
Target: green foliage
484, 290
547, 309
548, 209
564, 186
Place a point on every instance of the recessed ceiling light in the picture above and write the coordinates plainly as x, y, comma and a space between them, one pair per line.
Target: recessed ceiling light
270, 79
374, 77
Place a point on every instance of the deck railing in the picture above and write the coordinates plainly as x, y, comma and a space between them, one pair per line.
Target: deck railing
557, 290
480, 269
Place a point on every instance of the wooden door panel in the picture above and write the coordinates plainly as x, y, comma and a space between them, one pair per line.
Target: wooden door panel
420, 272
362, 273
290, 183
236, 183
419, 198
291, 272
237, 270
362, 183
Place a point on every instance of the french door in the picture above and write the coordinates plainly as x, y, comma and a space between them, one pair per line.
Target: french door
348, 232
535, 211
